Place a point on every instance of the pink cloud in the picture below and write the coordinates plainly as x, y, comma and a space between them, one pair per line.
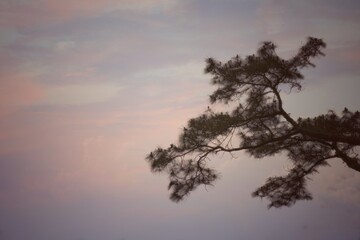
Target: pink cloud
76, 151
351, 55
18, 90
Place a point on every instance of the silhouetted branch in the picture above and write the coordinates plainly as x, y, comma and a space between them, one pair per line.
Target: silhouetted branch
262, 125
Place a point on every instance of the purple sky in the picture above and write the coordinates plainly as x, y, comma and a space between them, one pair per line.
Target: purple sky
89, 87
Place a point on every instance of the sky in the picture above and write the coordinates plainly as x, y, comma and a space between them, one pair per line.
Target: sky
89, 87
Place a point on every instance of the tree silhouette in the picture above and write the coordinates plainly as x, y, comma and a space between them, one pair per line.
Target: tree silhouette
252, 87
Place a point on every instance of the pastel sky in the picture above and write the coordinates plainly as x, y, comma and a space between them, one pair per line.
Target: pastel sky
89, 87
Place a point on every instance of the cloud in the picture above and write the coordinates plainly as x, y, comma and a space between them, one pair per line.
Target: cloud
59, 154
18, 91
82, 139
337, 183
81, 94
43, 12
289, 21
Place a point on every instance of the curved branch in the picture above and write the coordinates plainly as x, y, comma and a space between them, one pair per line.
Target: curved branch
351, 162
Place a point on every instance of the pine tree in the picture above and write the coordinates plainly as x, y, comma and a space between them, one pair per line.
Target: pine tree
252, 87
